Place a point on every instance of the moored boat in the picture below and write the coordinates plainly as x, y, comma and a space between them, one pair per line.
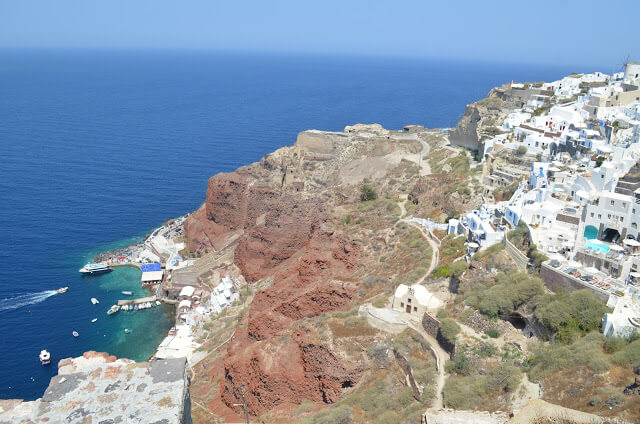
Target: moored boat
75, 333
98, 268
113, 309
94, 301
127, 292
45, 357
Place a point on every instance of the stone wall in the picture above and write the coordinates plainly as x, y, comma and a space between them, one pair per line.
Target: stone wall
518, 257
432, 327
406, 368
555, 279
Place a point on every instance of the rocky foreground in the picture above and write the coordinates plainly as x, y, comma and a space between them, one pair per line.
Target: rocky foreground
99, 388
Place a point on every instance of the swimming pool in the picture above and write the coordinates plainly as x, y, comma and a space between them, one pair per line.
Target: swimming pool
596, 246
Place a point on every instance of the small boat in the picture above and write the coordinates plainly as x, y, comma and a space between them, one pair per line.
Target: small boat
94, 301
62, 290
128, 293
113, 309
75, 333
45, 357
94, 320
136, 307
158, 303
126, 330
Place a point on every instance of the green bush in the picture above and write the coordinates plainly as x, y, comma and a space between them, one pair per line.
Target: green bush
458, 268
571, 315
442, 271
449, 330
352, 321
460, 364
367, 193
494, 333
521, 150
630, 354
504, 377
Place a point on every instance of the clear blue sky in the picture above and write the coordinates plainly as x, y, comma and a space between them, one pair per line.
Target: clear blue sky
563, 31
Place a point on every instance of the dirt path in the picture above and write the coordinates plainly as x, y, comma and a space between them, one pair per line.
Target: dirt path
434, 249
441, 359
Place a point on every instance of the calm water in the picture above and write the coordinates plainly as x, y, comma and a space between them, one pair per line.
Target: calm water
96, 147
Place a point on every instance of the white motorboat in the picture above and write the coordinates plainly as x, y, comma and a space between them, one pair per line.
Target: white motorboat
94, 301
127, 292
94, 320
62, 290
113, 309
45, 357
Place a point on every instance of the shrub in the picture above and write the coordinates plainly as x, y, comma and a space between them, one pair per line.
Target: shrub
494, 333
441, 271
367, 193
387, 417
305, 406
504, 377
352, 321
458, 268
460, 364
630, 354
449, 330
521, 150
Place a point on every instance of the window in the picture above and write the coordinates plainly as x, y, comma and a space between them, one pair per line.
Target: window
599, 216
612, 202
402, 304
415, 309
621, 219
592, 214
609, 216
634, 225
408, 300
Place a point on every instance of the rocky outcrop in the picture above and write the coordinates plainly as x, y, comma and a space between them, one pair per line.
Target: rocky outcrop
100, 388
482, 119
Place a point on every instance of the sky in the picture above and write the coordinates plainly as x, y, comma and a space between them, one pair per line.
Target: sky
564, 32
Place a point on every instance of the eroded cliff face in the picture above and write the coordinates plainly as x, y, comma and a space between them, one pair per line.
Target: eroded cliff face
277, 214
481, 118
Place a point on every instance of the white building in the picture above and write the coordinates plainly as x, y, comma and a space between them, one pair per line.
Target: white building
624, 321
415, 300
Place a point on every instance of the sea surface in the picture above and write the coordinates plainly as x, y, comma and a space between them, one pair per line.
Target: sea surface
99, 147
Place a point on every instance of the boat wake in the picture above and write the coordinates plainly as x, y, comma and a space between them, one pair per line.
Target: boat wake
25, 299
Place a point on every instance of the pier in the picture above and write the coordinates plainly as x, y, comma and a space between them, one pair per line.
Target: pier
136, 301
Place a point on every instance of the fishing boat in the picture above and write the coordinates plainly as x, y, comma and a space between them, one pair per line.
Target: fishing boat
45, 357
113, 309
157, 303
98, 268
126, 330
94, 301
62, 290
127, 292
75, 333
94, 320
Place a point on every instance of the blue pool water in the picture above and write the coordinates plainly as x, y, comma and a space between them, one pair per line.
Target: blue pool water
590, 244
97, 147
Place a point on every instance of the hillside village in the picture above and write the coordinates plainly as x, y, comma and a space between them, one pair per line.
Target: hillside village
576, 187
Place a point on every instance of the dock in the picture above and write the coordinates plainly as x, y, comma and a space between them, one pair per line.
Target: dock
136, 301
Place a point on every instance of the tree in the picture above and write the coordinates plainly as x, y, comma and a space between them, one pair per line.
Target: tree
449, 330
367, 193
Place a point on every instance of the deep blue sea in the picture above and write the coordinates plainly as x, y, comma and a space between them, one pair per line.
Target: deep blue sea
99, 147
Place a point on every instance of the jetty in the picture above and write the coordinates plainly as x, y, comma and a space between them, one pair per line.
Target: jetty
136, 301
